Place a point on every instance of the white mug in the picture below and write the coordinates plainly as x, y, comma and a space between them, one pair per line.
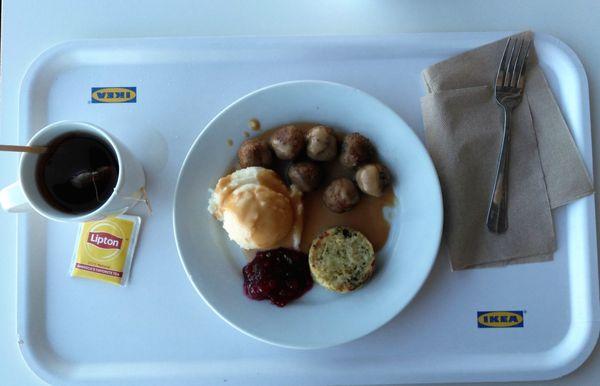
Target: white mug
24, 195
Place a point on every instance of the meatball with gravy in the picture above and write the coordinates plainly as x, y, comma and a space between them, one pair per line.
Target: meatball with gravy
341, 195
287, 142
254, 152
321, 143
356, 150
305, 175
372, 179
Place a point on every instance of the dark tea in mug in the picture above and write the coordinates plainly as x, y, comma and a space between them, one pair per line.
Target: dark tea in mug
78, 172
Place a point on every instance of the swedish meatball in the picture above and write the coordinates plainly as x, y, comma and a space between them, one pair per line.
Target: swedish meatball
287, 142
372, 179
321, 143
356, 150
341, 195
254, 152
305, 175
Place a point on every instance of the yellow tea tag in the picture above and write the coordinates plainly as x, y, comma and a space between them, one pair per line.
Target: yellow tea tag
105, 248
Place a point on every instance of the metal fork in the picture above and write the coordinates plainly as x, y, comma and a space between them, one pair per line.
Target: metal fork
510, 83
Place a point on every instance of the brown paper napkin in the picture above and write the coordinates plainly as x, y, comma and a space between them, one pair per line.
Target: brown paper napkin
463, 130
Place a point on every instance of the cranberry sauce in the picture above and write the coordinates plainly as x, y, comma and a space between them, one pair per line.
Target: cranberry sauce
280, 275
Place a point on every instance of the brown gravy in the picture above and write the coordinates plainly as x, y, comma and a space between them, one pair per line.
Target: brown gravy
367, 217
254, 124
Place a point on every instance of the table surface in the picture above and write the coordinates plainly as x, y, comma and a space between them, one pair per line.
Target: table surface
29, 27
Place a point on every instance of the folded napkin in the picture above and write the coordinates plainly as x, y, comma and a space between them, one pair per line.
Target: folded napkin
463, 131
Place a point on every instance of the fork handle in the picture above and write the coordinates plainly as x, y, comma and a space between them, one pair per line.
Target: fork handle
497, 217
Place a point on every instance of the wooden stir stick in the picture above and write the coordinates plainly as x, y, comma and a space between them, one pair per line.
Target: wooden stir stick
24, 149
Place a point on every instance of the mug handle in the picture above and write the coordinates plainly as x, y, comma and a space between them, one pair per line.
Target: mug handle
12, 199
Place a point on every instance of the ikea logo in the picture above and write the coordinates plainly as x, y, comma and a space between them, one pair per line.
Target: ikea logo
114, 95
499, 319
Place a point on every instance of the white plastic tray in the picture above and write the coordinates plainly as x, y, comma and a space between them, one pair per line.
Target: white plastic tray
157, 330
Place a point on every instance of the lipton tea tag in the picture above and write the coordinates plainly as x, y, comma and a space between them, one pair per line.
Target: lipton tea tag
104, 249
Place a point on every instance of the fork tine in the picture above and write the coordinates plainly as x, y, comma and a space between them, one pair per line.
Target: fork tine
507, 79
522, 67
502, 67
514, 75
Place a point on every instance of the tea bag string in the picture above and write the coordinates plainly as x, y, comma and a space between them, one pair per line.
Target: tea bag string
89, 177
143, 197
95, 186
93, 173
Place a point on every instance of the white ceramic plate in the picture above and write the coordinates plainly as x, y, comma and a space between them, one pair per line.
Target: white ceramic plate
320, 318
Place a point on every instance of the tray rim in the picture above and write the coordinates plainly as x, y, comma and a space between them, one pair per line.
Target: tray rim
585, 341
